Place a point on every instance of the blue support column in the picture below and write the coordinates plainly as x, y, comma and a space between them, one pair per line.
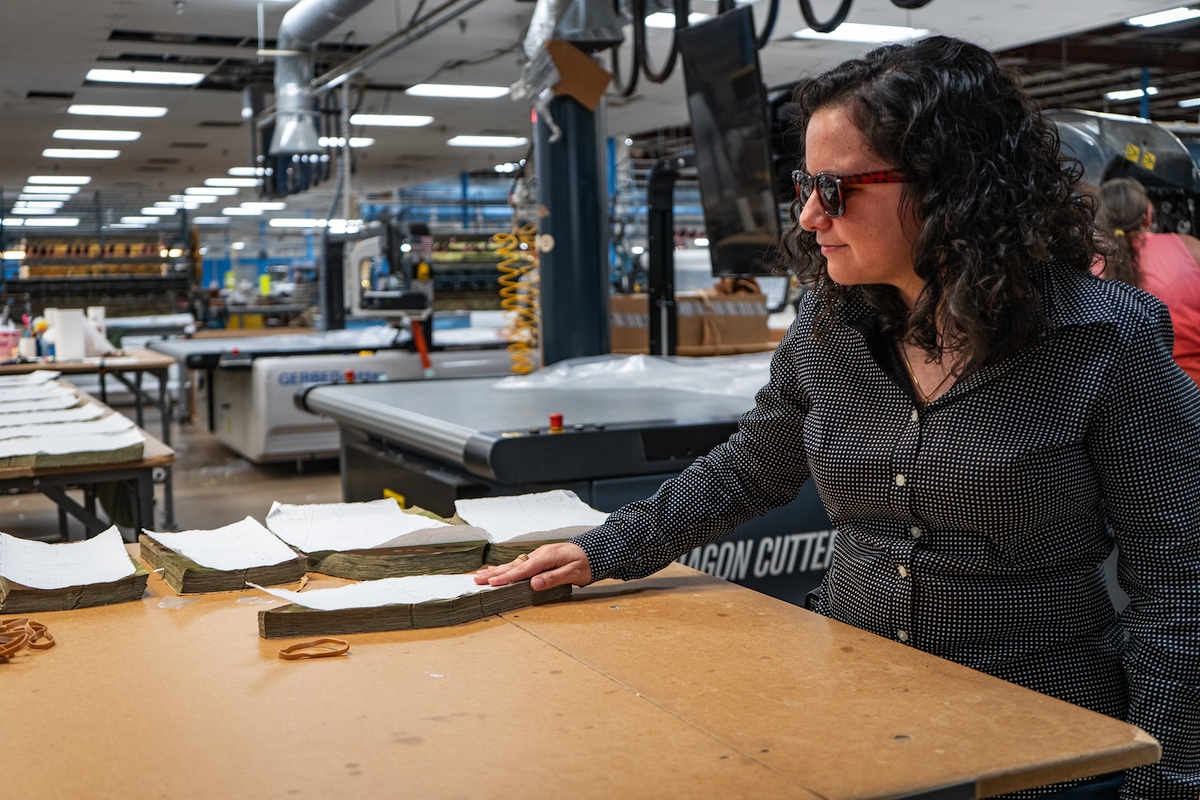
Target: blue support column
574, 271
611, 170
465, 183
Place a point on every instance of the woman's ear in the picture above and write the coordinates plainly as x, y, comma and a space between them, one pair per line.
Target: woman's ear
1148, 217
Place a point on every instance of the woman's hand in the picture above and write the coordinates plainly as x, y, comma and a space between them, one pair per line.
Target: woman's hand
549, 566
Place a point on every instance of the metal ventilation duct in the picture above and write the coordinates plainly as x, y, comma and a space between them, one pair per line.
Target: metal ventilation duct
302, 27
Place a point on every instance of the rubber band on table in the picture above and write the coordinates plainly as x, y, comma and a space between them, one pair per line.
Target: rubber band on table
19, 633
324, 647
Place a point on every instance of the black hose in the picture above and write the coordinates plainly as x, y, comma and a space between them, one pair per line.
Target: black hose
838, 17
682, 9
769, 26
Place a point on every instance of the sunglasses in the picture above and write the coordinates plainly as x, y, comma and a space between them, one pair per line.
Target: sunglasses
829, 186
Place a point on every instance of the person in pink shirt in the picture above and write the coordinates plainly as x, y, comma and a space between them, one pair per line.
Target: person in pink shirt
1167, 265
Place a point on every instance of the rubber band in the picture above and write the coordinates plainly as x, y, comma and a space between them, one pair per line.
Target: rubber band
315, 648
20, 632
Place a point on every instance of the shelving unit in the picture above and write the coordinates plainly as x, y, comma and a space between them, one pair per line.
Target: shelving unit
129, 276
463, 266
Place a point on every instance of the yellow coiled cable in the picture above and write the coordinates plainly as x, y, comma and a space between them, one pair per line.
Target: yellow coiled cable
519, 294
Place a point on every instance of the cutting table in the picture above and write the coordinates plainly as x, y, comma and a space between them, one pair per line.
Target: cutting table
247, 382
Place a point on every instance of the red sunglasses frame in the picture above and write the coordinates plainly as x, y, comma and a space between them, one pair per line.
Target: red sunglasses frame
840, 181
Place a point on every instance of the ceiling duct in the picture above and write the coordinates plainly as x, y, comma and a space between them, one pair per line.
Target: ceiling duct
590, 25
302, 27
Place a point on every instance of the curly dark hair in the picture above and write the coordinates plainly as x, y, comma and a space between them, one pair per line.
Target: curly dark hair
995, 197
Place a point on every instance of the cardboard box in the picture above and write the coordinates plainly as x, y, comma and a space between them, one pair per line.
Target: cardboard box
707, 324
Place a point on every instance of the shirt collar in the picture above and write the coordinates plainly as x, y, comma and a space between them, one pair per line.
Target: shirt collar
1070, 296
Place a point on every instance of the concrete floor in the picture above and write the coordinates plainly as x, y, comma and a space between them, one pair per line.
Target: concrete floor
213, 486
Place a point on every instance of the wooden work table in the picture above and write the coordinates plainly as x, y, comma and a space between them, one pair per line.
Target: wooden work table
128, 367
679, 685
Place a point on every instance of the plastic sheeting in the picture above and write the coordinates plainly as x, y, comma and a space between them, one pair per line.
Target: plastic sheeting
733, 376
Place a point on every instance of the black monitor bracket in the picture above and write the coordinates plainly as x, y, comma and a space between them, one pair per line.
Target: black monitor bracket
660, 271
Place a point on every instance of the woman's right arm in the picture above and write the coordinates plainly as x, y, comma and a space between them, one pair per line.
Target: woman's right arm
762, 466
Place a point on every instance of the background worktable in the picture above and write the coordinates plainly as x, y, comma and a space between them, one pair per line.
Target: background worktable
128, 367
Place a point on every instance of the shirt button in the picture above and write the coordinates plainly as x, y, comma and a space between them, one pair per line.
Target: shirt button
900, 479
915, 531
902, 635
915, 415
903, 572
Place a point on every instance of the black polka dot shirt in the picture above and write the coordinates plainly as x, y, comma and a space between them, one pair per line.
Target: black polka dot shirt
975, 527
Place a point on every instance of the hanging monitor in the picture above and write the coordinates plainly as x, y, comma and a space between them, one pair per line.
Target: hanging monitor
727, 104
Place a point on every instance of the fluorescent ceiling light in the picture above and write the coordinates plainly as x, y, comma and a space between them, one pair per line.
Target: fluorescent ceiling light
96, 136
51, 190
240, 212
210, 191
236, 182
146, 112
393, 120
154, 211
14, 255
31, 212
139, 220
124, 225
1191, 102
338, 141
52, 222
344, 226
666, 19
176, 204
266, 206
60, 180
249, 172
13, 222
55, 204
1130, 94
457, 90
288, 222
78, 152
145, 76
194, 199
487, 141
210, 220
334, 225
1164, 17
63, 197
860, 32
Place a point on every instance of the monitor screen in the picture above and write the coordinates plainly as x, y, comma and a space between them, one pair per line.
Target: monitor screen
728, 108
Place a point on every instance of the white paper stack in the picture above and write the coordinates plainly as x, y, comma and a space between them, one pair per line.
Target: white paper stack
38, 565
360, 526
537, 517
389, 591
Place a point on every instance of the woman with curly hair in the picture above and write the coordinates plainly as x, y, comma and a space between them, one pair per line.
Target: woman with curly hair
1163, 264
984, 419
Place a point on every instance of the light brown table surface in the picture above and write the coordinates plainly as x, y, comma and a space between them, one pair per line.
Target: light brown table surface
241, 333
679, 685
129, 360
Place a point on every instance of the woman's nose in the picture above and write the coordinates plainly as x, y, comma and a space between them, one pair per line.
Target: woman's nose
812, 216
